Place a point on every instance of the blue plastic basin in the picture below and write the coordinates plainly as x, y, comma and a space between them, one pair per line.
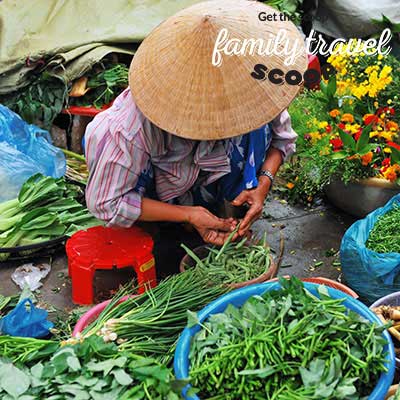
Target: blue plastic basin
238, 298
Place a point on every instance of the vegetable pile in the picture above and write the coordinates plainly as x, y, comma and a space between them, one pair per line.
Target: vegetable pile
287, 345
150, 323
384, 236
77, 170
46, 208
391, 315
233, 262
101, 86
91, 370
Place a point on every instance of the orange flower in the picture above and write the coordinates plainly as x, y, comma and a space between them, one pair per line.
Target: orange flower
367, 158
391, 125
348, 118
290, 185
334, 113
390, 174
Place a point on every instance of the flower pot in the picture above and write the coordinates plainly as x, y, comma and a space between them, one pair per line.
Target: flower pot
362, 197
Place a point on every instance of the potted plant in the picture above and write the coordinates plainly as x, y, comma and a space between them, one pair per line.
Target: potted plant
349, 143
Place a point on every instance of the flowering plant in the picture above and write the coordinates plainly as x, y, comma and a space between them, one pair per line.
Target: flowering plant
352, 125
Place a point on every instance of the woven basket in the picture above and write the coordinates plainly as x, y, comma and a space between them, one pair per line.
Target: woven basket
202, 253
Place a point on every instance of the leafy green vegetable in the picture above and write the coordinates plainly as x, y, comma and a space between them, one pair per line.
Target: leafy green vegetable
287, 344
46, 208
384, 236
89, 370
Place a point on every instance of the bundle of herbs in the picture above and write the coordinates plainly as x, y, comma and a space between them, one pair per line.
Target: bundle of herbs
46, 208
234, 262
384, 236
102, 85
149, 324
88, 370
287, 345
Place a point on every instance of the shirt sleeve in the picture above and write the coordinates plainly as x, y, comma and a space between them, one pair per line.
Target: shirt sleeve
115, 160
283, 136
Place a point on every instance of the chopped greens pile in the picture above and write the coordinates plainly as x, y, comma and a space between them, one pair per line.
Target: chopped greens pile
46, 208
233, 262
384, 236
287, 345
88, 370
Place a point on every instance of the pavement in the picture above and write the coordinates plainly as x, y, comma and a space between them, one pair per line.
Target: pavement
310, 240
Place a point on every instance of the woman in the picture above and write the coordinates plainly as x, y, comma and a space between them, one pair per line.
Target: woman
169, 148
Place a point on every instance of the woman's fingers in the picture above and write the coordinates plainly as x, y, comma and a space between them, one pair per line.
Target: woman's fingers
216, 238
252, 215
241, 199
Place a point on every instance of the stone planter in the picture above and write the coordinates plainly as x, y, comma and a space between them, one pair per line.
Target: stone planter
362, 197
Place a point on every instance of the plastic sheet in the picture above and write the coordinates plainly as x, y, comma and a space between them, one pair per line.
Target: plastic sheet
26, 320
24, 151
372, 275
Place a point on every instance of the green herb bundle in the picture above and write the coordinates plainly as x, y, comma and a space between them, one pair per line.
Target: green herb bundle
104, 86
287, 345
384, 236
150, 323
46, 208
233, 262
88, 370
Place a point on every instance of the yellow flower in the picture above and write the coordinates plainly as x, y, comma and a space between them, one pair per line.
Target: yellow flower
380, 57
387, 150
315, 136
373, 134
290, 185
389, 101
388, 136
323, 124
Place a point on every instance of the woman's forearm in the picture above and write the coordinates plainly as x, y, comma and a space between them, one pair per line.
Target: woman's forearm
153, 210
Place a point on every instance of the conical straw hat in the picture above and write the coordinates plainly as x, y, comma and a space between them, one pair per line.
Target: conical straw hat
177, 87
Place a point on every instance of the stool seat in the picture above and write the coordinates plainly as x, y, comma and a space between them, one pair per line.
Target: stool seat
99, 248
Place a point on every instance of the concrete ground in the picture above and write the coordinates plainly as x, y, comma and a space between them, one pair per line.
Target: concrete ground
311, 240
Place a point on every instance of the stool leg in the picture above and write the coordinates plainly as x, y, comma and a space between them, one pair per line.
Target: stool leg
82, 286
146, 275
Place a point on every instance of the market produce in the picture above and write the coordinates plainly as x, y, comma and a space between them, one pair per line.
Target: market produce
77, 170
233, 262
150, 323
101, 86
287, 344
46, 208
384, 236
391, 315
88, 370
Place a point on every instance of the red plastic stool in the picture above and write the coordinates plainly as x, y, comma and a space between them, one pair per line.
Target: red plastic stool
105, 248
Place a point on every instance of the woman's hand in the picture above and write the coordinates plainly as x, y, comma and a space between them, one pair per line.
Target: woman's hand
255, 198
212, 229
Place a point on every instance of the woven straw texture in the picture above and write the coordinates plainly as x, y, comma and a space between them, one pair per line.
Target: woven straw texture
176, 86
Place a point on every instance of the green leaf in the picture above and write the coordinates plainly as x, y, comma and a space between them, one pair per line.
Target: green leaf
347, 140
339, 155
395, 155
122, 377
13, 380
192, 319
332, 86
312, 376
73, 363
260, 373
364, 138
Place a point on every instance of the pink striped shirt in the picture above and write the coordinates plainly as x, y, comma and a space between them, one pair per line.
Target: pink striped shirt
121, 143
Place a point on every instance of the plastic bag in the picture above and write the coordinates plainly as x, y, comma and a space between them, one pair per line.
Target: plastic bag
30, 275
26, 321
24, 151
372, 275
